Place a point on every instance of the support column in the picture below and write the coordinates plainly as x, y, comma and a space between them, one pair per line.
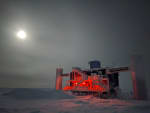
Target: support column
138, 77
59, 72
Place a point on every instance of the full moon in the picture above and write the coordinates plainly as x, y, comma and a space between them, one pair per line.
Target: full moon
21, 34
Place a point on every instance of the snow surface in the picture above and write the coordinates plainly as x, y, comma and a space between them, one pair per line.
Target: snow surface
51, 101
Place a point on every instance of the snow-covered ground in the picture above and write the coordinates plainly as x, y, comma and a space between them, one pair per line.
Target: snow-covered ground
51, 101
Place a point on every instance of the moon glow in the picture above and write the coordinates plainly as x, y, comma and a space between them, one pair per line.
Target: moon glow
21, 34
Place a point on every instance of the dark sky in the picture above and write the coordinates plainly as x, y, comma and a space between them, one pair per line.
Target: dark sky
68, 33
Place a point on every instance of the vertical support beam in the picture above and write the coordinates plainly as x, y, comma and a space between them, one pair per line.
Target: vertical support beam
138, 77
59, 72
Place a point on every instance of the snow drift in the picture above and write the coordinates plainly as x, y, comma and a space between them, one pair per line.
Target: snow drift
36, 93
